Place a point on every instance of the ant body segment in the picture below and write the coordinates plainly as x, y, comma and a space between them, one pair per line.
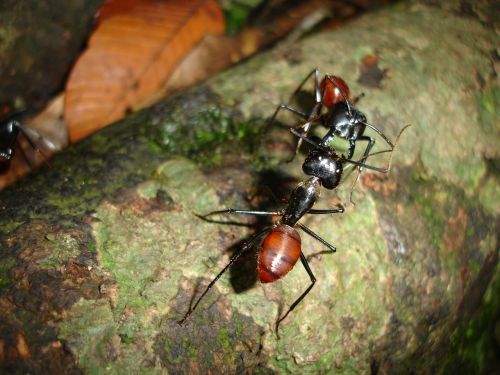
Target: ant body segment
281, 247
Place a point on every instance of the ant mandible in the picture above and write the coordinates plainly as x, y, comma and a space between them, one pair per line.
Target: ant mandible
281, 247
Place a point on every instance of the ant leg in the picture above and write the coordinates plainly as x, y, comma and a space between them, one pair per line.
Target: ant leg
339, 210
239, 212
352, 147
32, 144
366, 154
371, 143
359, 163
376, 130
327, 149
315, 236
390, 151
316, 110
294, 305
295, 111
313, 117
317, 92
34, 133
310, 140
245, 247
289, 108
328, 138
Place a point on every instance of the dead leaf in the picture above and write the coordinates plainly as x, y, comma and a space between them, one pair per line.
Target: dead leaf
130, 56
215, 53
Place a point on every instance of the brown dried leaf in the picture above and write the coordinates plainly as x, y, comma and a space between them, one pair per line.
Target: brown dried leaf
130, 56
216, 53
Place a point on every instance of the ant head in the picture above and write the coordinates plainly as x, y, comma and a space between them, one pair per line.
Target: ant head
327, 166
345, 115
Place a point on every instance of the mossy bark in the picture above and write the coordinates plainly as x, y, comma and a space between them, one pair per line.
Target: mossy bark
38, 42
102, 252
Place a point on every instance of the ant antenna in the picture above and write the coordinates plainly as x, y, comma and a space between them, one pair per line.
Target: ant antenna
389, 164
359, 163
375, 129
316, 84
309, 140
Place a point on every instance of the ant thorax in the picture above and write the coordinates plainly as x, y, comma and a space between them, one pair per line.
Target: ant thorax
302, 199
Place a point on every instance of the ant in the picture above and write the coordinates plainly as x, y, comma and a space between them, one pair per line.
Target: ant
281, 247
342, 118
9, 133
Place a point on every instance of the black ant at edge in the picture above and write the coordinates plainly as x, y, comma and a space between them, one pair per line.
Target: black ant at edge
10, 132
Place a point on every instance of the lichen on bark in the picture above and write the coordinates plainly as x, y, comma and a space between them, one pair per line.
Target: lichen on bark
104, 252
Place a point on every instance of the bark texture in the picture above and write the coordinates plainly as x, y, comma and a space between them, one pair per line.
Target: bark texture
102, 252
38, 42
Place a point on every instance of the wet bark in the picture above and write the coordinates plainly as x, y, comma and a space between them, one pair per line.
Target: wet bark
102, 251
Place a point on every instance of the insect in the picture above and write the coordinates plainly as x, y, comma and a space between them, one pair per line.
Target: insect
10, 130
281, 246
341, 118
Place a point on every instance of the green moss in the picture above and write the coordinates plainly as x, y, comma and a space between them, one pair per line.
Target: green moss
490, 195
192, 352
6, 265
434, 212
8, 35
224, 338
89, 329
470, 173
475, 341
156, 254
237, 13
488, 102
208, 134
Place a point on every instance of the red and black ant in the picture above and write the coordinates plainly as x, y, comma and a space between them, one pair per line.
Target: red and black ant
281, 247
342, 118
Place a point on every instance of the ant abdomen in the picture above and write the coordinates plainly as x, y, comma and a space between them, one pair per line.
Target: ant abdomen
279, 252
332, 93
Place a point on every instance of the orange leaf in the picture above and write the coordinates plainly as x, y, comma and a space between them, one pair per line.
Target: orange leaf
130, 56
